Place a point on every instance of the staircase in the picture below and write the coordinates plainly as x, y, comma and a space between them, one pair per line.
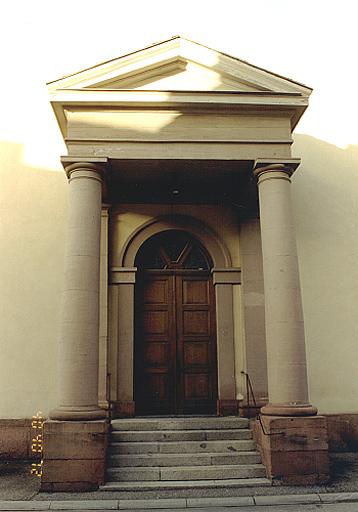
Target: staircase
182, 457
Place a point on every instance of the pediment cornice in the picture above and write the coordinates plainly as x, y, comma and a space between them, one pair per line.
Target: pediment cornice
173, 56
177, 73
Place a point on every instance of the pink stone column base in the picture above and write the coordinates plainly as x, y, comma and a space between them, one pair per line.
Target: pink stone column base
74, 455
294, 450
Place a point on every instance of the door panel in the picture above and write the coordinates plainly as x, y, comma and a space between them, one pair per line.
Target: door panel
154, 350
156, 353
196, 323
196, 351
196, 386
175, 355
195, 292
156, 291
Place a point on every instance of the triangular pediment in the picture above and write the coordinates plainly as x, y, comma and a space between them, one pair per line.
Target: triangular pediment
178, 65
178, 75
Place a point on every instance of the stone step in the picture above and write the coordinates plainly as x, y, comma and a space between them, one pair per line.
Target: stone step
182, 459
180, 473
180, 435
226, 446
166, 457
185, 423
185, 488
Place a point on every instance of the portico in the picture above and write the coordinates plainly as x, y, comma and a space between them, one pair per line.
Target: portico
149, 154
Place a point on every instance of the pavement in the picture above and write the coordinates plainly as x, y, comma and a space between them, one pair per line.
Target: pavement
20, 491
325, 502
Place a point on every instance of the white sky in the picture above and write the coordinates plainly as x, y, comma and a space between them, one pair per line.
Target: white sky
311, 41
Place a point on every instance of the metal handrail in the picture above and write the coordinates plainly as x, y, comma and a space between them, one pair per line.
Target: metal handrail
250, 389
108, 397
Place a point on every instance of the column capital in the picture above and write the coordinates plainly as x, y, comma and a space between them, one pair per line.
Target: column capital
105, 209
88, 164
264, 165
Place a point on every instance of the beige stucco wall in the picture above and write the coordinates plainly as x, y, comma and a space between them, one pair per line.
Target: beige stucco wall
326, 208
33, 216
32, 226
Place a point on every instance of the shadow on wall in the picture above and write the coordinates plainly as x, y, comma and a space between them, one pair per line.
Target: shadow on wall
33, 218
326, 209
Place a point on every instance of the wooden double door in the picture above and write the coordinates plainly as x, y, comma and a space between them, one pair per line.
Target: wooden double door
175, 350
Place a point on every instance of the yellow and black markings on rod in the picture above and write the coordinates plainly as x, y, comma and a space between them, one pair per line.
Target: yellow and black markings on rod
37, 443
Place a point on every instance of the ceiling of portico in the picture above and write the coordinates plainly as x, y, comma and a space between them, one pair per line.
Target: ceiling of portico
183, 182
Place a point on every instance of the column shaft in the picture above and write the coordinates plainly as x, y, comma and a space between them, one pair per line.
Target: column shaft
285, 337
79, 336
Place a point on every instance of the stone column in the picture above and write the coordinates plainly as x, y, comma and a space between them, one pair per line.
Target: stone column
285, 337
80, 303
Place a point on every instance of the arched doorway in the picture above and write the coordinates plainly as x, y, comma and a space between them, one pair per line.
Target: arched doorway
175, 333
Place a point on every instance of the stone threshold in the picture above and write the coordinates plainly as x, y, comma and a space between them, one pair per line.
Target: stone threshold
181, 503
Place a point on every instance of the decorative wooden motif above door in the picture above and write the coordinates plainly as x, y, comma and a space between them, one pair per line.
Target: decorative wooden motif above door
175, 349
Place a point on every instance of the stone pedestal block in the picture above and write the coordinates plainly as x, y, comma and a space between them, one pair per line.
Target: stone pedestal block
74, 455
294, 449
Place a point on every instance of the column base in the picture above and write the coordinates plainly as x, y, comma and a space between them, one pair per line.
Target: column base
80, 413
74, 455
288, 410
294, 450
123, 409
227, 407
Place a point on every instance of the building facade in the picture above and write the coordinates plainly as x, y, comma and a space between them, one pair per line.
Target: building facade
176, 162
181, 276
